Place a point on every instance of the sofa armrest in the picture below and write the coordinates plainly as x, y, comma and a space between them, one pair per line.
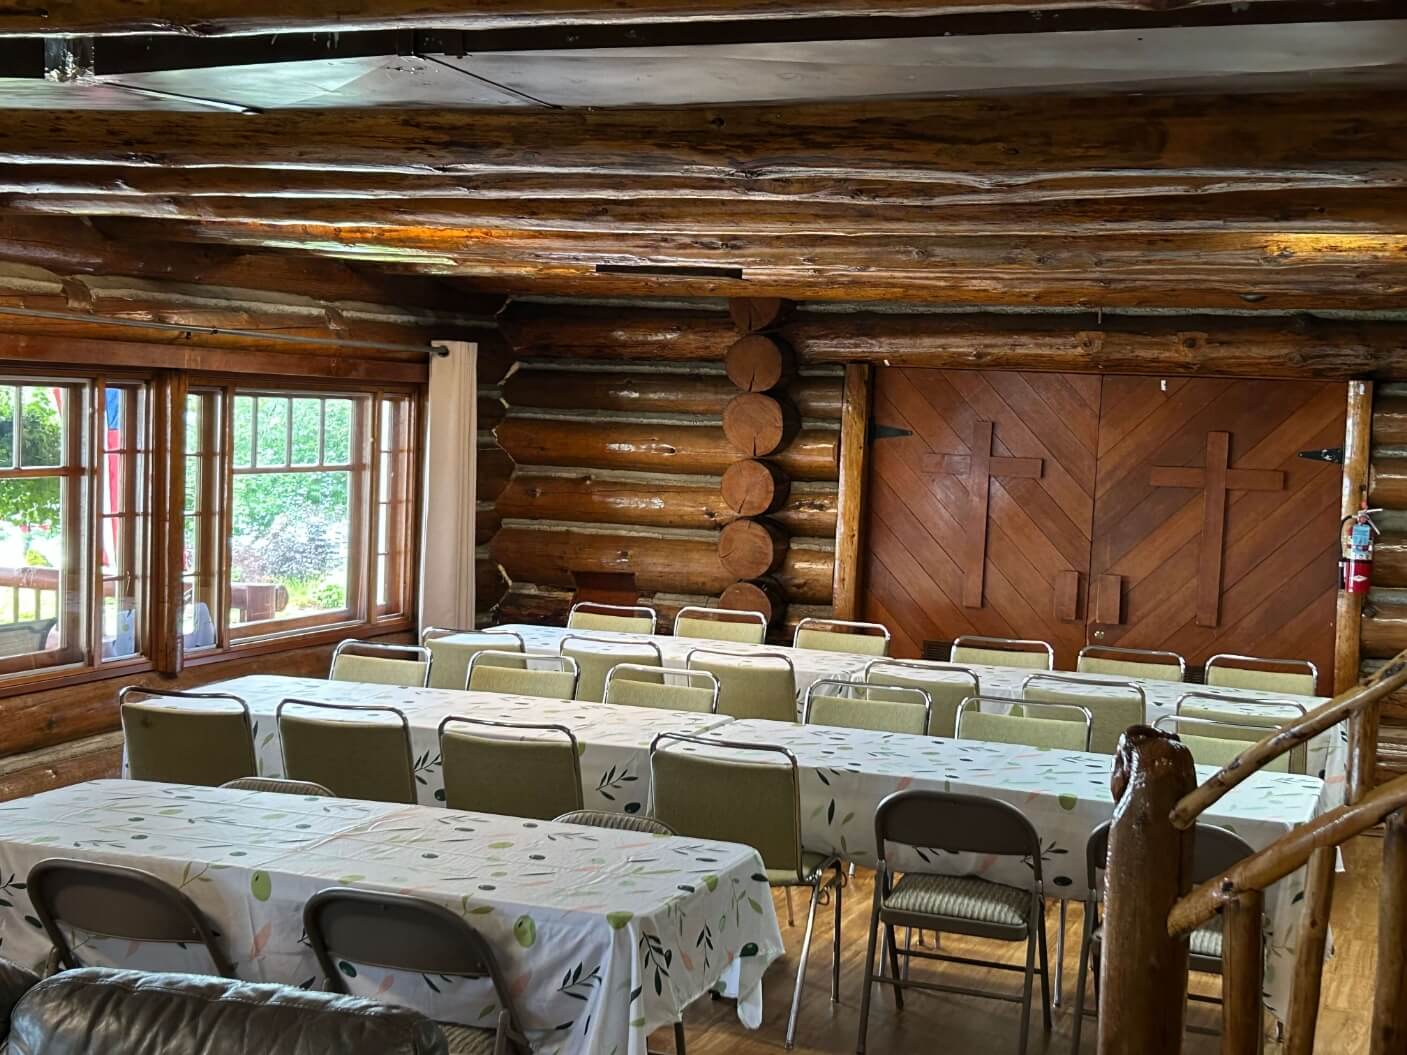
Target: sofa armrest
15, 981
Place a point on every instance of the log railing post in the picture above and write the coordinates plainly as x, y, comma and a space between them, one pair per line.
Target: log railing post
1309, 958
1143, 971
1389, 1036
1242, 1028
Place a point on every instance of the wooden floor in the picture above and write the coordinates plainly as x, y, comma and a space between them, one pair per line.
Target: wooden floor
968, 1025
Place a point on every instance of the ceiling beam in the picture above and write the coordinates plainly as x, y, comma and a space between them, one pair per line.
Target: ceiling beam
1180, 269
214, 18
670, 211
989, 142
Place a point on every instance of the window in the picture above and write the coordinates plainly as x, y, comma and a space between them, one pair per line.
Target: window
73, 521
299, 511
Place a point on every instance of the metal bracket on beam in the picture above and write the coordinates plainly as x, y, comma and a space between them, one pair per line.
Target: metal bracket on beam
1326, 454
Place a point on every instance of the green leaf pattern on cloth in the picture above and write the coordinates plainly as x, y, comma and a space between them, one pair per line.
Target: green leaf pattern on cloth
581, 918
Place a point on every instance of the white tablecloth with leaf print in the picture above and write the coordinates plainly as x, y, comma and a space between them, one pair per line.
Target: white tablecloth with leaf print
846, 773
603, 935
809, 665
1327, 754
614, 741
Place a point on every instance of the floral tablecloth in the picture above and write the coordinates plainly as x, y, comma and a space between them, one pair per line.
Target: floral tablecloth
604, 935
846, 773
614, 741
809, 665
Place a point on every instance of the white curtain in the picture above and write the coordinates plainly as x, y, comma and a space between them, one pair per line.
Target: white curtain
447, 527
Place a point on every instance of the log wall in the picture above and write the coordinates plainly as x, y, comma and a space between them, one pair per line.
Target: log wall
616, 463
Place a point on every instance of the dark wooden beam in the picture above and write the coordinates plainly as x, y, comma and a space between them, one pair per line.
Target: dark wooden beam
68, 246
994, 141
399, 190
209, 17
1187, 270
1239, 346
669, 212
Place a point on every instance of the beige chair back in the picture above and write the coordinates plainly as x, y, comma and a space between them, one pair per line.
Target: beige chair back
516, 674
345, 749
664, 688
1112, 706
855, 705
1249, 728
620, 822
1040, 725
377, 664
1216, 743
620, 618
186, 737
756, 801
946, 687
594, 660
451, 651
1003, 652
721, 624
761, 686
1297, 676
842, 635
1131, 663
510, 768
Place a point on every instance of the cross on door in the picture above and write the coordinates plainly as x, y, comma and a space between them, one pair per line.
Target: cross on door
1215, 479
979, 467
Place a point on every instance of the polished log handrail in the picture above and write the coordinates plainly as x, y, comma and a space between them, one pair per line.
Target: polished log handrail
1346, 705
1287, 854
1150, 912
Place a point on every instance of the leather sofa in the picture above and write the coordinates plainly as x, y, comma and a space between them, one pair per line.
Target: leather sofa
99, 1011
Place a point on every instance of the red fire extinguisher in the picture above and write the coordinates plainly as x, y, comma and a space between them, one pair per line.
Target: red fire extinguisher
1356, 562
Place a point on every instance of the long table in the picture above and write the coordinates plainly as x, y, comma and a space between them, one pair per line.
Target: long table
1327, 753
846, 773
614, 741
809, 665
604, 935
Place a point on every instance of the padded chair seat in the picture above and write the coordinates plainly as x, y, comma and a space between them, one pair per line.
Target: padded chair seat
810, 865
466, 1040
960, 897
1205, 940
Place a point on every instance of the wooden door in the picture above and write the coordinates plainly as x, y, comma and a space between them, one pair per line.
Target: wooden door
980, 504
1183, 461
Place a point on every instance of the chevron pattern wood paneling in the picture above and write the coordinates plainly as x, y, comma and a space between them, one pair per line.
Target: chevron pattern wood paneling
920, 517
1278, 558
1105, 543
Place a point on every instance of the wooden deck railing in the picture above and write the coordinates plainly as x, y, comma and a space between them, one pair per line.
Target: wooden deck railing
1150, 908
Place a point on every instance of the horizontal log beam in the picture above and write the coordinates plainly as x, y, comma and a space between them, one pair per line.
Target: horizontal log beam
995, 140
1241, 346
547, 556
657, 392
404, 190
1319, 210
651, 447
93, 758
70, 247
209, 18
644, 500
1384, 628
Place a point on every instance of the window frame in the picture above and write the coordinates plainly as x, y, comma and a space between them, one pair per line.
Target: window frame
361, 611
150, 531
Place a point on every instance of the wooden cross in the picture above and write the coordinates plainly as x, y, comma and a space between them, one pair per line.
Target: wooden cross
979, 467
1215, 479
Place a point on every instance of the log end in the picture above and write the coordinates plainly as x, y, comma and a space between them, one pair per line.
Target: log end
751, 488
